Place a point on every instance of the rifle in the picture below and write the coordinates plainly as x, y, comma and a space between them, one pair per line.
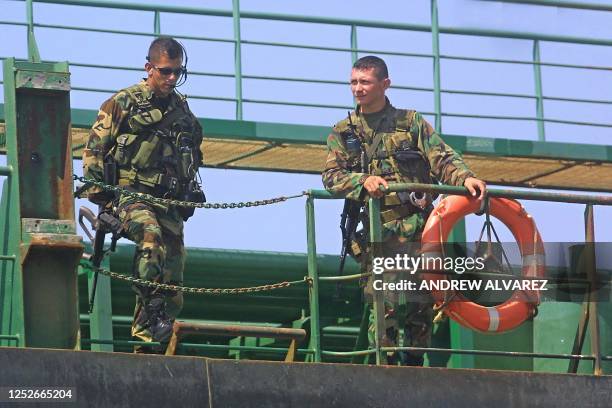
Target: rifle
103, 224
348, 225
349, 220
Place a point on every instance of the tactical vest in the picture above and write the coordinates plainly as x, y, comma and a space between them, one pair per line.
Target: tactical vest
396, 157
158, 153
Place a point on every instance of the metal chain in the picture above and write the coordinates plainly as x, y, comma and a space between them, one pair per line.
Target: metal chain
178, 203
200, 291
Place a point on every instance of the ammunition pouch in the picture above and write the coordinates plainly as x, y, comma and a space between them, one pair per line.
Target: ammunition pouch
358, 246
150, 182
194, 194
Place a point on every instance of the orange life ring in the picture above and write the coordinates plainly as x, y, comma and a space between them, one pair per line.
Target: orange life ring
523, 303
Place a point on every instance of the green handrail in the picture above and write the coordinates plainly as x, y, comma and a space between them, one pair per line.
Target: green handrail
237, 15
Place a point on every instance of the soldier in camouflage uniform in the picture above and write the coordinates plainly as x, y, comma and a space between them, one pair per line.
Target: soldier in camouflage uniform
149, 133
399, 146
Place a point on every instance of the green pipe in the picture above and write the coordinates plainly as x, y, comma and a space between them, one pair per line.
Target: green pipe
471, 352
156, 23
556, 98
33, 54
342, 278
435, 37
139, 33
237, 57
349, 353
14, 23
563, 4
195, 346
127, 320
494, 192
547, 64
8, 257
346, 330
315, 328
241, 348
354, 54
566, 122
492, 353
340, 49
308, 105
537, 74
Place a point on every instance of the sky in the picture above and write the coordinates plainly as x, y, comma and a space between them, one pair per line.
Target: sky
282, 227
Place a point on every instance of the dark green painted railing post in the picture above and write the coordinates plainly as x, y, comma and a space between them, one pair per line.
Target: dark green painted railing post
33, 54
237, 57
313, 274
378, 299
537, 74
435, 37
461, 338
156, 23
594, 289
101, 317
354, 54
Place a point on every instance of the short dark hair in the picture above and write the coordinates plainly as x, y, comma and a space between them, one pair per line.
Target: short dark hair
164, 45
369, 62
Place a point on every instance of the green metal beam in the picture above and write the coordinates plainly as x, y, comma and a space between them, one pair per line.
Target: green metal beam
317, 135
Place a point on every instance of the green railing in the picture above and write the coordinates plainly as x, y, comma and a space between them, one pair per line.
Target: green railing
7, 171
237, 16
375, 229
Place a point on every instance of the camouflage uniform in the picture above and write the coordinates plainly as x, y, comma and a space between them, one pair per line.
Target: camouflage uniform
410, 151
151, 163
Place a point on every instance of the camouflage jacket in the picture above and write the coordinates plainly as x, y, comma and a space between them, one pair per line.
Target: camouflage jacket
122, 115
402, 130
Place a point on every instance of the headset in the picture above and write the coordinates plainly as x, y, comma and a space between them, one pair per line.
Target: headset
183, 78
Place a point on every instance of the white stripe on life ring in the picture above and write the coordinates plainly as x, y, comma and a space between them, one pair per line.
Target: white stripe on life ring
531, 259
493, 319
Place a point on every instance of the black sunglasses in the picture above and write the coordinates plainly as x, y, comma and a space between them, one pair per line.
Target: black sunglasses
167, 71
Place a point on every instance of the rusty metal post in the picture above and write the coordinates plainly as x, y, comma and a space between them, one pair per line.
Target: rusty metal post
39, 229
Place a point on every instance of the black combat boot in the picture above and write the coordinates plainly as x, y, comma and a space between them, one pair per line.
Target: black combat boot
409, 359
160, 324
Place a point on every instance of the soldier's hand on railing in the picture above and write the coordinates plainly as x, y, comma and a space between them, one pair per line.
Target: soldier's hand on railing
372, 186
476, 187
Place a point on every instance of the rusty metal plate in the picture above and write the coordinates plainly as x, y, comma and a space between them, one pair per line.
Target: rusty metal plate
55, 81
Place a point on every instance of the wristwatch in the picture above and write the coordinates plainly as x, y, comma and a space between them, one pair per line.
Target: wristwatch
363, 178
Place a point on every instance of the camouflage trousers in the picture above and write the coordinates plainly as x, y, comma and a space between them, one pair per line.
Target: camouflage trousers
409, 310
159, 257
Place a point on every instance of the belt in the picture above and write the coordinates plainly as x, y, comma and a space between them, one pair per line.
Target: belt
395, 213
